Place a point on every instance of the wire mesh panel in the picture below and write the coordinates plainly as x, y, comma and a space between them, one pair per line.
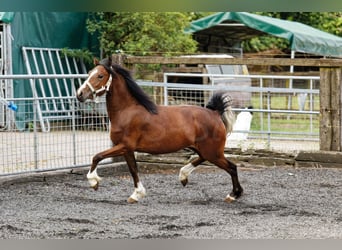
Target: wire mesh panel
69, 143
280, 118
241, 99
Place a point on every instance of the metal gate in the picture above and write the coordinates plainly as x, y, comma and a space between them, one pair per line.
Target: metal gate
6, 85
54, 95
2, 90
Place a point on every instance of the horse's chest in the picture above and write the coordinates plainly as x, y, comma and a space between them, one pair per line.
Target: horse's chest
116, 134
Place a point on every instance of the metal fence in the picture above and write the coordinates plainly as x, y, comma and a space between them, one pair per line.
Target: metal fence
70, 141
284, 109
282, 120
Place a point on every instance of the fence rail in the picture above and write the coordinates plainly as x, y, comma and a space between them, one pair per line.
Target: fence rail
72, 142
267, 102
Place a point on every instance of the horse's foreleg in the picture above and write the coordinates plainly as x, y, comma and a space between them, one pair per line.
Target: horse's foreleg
92, 175
139, 190
187, 169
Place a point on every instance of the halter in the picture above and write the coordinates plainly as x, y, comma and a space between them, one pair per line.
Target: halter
105, 87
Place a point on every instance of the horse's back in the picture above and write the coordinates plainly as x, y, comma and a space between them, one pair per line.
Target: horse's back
192, 114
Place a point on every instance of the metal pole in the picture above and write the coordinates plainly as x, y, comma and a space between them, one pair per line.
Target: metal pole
73, 120
268, 120
165, 90
311, 106
289, 105
35, 134
261, 106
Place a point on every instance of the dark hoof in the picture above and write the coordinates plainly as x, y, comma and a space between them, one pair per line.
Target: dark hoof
96, 186
184, 182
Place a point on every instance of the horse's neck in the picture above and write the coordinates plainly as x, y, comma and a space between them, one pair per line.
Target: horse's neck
118, 99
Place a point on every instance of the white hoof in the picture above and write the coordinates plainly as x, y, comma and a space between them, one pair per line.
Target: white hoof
229, 199
139, 192
93, 178
185, 172
131, 200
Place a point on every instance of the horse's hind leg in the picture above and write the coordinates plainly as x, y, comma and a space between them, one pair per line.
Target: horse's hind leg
139, 190
231, 168
187, 169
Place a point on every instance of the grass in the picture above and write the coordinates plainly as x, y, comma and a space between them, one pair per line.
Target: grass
285, 123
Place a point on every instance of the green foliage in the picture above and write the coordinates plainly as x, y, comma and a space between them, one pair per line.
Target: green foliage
83, 55
161, 33
142, 33
263, 43
330, 22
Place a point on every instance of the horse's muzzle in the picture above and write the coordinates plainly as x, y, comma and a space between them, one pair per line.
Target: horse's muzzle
80, 97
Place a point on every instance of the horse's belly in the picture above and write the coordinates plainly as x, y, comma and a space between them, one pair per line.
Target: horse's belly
163, 144
162, 149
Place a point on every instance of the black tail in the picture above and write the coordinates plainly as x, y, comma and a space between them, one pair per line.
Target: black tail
221, 102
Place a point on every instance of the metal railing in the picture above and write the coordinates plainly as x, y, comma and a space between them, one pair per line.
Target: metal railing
268, 111
69, 142
72, 143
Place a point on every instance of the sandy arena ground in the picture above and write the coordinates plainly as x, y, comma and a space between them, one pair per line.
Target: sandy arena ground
279, 203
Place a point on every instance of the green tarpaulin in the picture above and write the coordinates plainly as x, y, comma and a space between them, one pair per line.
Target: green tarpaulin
6, 17
44, 30
242, 25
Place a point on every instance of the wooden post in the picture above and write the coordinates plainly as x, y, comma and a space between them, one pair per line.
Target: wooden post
118, 59
158, 94
330, 109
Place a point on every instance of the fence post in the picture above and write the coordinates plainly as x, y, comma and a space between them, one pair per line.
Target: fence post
158, 95
330, 109
118, 59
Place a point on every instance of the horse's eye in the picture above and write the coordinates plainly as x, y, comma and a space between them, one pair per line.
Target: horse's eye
100, 77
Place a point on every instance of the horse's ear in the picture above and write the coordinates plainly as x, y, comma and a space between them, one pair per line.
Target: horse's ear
109, 60
96, 61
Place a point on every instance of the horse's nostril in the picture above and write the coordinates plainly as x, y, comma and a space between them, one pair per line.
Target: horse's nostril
79, 96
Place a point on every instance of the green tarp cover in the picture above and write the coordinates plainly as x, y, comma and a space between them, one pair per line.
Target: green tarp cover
6, 17
302, 38
45, 30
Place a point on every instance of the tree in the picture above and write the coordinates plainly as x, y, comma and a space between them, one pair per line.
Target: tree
142, 33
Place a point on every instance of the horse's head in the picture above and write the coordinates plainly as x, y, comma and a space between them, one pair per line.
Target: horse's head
97, 83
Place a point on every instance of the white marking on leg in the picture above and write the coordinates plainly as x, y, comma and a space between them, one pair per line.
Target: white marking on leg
186, 171
93, 178
139, 192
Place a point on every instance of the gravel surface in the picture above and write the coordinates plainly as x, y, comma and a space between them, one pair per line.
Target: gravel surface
279, 203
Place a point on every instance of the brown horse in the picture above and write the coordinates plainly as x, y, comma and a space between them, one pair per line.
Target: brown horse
139, 125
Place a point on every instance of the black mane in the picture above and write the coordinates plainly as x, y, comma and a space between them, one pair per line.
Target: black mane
135, 90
